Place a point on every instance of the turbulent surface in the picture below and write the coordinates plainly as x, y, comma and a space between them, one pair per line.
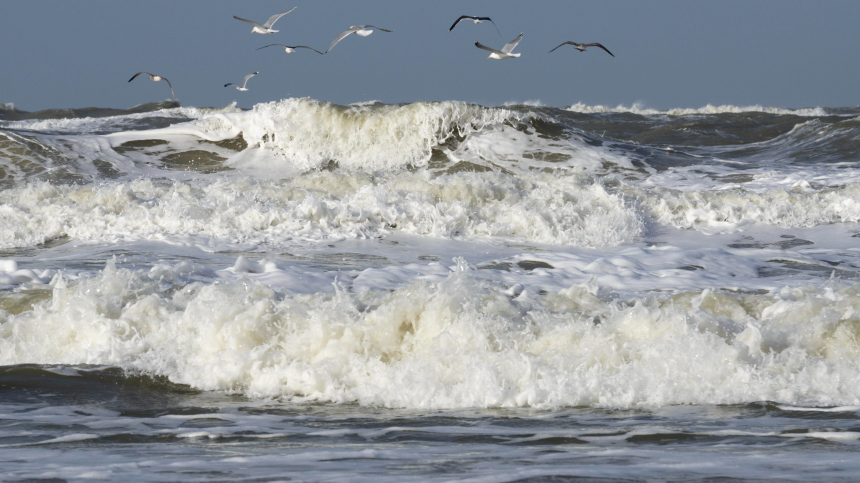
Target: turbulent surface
427, 288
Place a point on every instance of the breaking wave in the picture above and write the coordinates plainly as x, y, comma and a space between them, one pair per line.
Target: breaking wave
708, 109
457, 343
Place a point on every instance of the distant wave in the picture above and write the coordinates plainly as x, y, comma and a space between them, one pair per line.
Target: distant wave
638, 108
84, 123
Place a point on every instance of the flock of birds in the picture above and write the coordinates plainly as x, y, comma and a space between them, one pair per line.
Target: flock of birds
505, 52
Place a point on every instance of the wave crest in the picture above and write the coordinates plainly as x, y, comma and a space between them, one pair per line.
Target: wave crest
310, 133
453, 344
542, 208
640, 109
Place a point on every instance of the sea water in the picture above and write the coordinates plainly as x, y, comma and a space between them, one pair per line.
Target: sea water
425, 291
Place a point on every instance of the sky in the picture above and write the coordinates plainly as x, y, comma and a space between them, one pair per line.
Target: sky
781, 53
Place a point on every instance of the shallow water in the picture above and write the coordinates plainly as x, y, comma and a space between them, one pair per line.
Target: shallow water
429, 291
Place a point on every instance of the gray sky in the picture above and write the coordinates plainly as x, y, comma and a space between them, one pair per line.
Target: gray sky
668, 53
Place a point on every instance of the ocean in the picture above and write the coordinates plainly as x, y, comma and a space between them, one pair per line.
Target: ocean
306, 291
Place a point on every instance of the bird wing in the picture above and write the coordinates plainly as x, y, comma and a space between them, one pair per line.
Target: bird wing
249, 21
377, 28
595, 44
229, 84
135, 76
564, 43
482, 46
458, 21
274, 18
341, 36
171, 87
306, 47
263, 47
245, 81
512, 45
491, 21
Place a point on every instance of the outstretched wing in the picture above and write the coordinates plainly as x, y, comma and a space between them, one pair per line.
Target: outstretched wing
306, 47
249, 21
171, 87
270, 45
482, 46
595, 44
245, 81
274, 18
458, 21
491, 21
512, 45
229, 84
377, 28
564, 43
340, 37
139, 73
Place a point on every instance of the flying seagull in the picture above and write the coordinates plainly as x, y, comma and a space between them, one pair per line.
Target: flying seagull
266, 28
505, 53
362, 30
242, 87
289, 49
582, 47
155, 78
476, 20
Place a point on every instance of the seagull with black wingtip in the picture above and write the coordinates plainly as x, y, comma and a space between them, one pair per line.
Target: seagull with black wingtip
155, 78
265, 28
291, 48
505, 53
244, 82
360, 30
582, 47
476, 20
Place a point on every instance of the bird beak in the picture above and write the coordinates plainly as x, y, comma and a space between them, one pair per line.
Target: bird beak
489, 56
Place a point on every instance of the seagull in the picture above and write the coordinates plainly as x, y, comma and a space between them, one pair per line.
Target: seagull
476, 20
242, 87
266, 28
582, 47
505, 53
290, 50
362, 30
155, 78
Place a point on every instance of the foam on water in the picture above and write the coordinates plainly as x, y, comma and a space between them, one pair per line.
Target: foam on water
542, 207
112, 123
456, 343
309, 133
726, 210
638, 108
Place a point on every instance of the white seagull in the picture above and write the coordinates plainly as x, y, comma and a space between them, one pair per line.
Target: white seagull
477, 20
290, 49
505, 53
362, 30
266, 28
155, 78
582, 47
242, 87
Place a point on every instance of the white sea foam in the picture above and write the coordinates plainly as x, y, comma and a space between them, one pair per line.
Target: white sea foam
724, 211
309, 133
11, 275
638, 108
529, 103
541, 207
91, 124
456, 343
